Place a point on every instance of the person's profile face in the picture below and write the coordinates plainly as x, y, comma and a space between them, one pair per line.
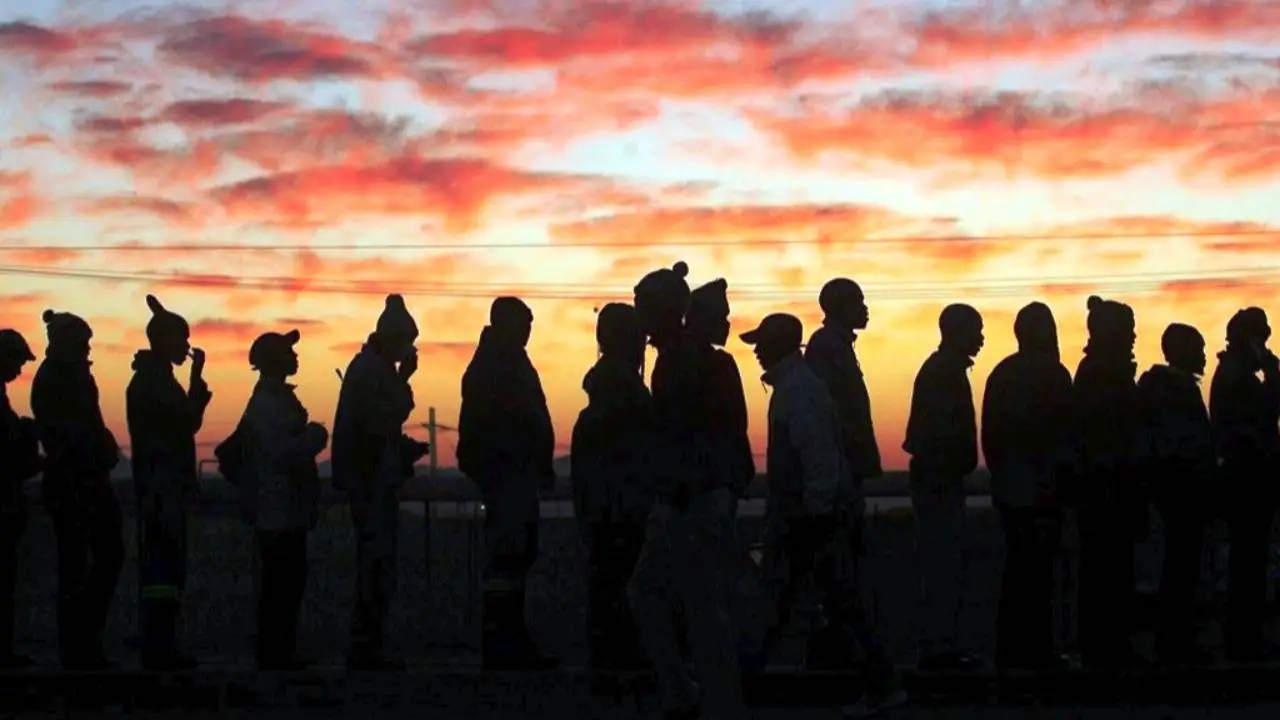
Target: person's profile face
291, 363
11, 369
857, 312
178, 347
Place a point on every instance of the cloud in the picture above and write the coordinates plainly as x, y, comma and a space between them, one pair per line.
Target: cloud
222, 329
35, 41
170, 211
19, 203
219, 112
95, 89
983, 134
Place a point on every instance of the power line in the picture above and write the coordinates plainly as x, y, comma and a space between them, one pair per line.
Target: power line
759, 242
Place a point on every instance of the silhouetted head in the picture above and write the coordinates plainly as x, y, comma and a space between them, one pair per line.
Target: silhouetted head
1183, 348
272, 354
777, 336
14, 353
168, 333
1248, 328
842, 302
961, 329
708, 316
661, 300
512, 320
396, 331
1111, 325
68, 334
618, 333
1035, 328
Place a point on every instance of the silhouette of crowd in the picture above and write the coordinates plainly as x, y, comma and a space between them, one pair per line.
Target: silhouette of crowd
656, 475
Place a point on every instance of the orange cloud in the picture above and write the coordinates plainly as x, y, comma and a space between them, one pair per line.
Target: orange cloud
18, 201
98, 89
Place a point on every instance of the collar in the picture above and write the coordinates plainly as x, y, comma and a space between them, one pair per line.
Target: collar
783, 369
954, 357
848, 335
275, 385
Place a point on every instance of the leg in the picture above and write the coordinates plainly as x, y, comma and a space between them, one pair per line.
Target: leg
939, 513
1250, 531
651, 593
13, 522
70, 529
366, 616
1041, 587
106, 546
1017, 593
784, 585
1179, 577
836, 573
163, 578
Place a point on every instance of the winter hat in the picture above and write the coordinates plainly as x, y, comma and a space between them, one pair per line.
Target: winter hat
1247, 325
164, 324
710, 302
64, 327
617, 326
665, 288
395, 319
1109, 318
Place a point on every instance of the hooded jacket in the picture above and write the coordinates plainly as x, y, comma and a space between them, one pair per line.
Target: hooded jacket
609, 450
832, 357
282, 451
807, 471
65, 402
1026, 425
504, 426
1176, 436
942, 430
1107, 413
373, 405
1245, 412
163, 421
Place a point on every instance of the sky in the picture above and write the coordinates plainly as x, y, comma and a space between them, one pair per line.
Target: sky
263, 166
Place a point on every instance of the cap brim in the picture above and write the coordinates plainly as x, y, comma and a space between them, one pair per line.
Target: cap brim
293, 336
751, 337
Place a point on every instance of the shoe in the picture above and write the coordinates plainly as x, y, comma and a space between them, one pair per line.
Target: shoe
375, 664
871, 706
171, 661
14, 661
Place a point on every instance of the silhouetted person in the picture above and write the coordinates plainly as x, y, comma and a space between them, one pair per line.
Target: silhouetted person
1026, 438
371, 460
1179, 455
690, 536
282, 446
506, 445
1107, 412
707, 323
163, 420
19, 461
942, 439
809, 491
830, 354
81, 453
612, 489
1245, 411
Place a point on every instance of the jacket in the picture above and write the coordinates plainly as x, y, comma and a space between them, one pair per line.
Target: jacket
504, 426
1026, 426
284, 483
1245, 412
729, 419
19, 455
609, 470
1106, 407
942, 430
807, 471
367, 457
1176, 443
163, 420
832, 357
688, 453
68, 415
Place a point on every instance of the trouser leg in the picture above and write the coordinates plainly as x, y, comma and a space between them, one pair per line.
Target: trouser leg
940, 510
377, 529
834, 565
13, 522
1180, 575
164, 553
612, 559
284, 567
1025, 620
1250, 534
1106, 583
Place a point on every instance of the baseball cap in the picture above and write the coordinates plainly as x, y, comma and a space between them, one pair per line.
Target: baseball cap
13, 345
272, 344
779, 327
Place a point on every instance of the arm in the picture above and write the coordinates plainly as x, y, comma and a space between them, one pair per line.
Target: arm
282, 448
811, 428
992, 430
380, 405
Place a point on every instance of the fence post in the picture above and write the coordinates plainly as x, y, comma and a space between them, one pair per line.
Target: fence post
426, 504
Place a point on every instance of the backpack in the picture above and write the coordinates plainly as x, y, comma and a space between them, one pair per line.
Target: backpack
233, 458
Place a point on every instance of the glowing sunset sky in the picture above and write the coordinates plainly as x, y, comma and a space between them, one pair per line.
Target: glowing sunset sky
250, 163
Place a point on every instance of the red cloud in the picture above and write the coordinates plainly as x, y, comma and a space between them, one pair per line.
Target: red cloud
224, 329
18, 201
168, 210
99, 89
214, 113
21, 37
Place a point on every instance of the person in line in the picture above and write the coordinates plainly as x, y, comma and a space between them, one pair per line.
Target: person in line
1111, 509
19, 461
371, 460
942, 439
832, 356
506, 445
81, 453
1026, 441
1245, 411
163, 420
809, 489
282, 445
1179, 454
690, 536
612, 492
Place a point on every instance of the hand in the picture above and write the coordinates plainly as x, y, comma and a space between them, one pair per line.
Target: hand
409, 365
197, 362
320, 432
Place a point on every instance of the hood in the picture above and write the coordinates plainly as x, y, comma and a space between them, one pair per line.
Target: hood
606, 378
146, 360
1164, 379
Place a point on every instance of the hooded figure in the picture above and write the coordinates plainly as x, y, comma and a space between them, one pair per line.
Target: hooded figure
1245, 411
281, 448
1026, 438
19, 461
163, 421
1107, 420
942, 438
1177, 451
809, 489
830, 355
612, 494
690, 538
371, 460
77, 490
506, 445
707, 322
